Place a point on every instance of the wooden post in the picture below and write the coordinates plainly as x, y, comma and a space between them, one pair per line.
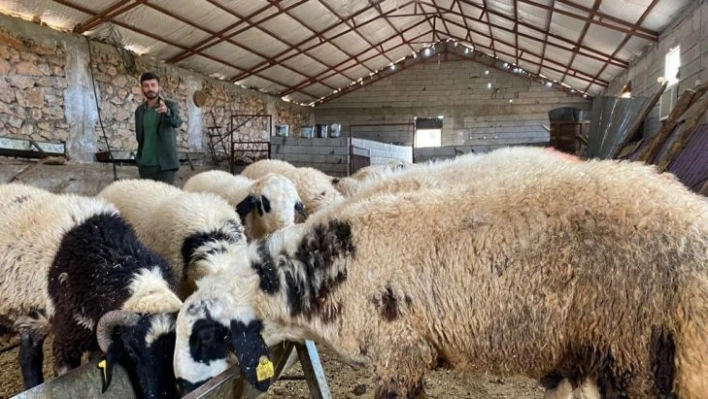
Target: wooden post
682, 105
683, 134
314, 373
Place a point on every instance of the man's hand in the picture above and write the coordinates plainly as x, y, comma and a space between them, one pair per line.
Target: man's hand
161, 107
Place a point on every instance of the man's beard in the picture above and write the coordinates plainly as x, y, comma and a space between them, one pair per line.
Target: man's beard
151, 94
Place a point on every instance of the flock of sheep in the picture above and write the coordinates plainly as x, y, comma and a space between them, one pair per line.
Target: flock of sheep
589, 276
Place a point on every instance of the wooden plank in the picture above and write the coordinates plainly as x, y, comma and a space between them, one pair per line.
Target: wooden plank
682, 105
683, 134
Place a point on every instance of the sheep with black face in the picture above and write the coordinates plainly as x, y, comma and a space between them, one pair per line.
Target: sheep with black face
265, 205
72, 266
315, 188
463, 276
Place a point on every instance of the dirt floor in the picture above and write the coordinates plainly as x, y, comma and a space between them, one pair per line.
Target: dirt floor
344, 382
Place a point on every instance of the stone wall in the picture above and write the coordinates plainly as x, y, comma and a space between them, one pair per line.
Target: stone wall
47, 83
32, 82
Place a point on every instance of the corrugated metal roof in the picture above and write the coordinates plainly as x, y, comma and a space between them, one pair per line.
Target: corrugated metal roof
691, 164
257, 41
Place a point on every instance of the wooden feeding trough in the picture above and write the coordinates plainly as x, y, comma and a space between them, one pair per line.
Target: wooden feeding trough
85, 381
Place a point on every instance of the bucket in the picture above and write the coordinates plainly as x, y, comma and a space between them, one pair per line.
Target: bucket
307, 131
281, 130
335, 130
321, 130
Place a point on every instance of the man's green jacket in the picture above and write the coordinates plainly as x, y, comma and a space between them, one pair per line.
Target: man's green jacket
167, 126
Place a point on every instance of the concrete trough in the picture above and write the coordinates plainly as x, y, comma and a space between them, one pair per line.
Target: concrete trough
84, 381
25, 148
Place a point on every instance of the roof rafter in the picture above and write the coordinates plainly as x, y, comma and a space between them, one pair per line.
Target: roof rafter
625, 40
112, 11
264, 65
581, 37
205, 44
314, 32
347, 23
644, 33
329, 74
597, 54
377, 7
230, 41
157, 37
577, 74
545, 40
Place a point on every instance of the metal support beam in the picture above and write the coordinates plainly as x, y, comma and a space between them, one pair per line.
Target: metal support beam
625, 40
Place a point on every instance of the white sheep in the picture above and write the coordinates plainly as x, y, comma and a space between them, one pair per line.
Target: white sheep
265, 205
315, 188
72, 266
264, 166
590, 271
349, 185
198, 233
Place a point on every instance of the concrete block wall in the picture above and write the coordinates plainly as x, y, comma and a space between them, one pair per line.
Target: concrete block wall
433, 153
513, 110
690, 31
381, 153
330, 155
396, 134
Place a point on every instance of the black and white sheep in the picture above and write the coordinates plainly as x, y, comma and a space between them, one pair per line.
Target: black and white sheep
265, 205
590, 270
73, 263
198, 233
315, 188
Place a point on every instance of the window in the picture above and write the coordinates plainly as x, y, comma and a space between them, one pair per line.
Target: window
672, 65
428, 132
428, 138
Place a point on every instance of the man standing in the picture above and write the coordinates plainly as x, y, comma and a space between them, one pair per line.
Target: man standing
156, 121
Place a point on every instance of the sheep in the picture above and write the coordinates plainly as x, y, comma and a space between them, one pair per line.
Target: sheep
263, 166
451, 172
266, 204
198, 233
590, 270
349, 185
315, 188
71, 266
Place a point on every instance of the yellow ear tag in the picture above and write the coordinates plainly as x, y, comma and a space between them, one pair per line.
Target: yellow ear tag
265, 369
102, 366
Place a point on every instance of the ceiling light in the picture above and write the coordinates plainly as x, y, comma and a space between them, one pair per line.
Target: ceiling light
549, 84
486, 72
489, 85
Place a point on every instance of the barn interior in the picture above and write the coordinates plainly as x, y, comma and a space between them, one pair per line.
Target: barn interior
341, 85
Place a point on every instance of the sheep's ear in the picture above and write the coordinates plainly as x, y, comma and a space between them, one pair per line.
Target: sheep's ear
244, 207
252, 353
300, 208
115, 351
